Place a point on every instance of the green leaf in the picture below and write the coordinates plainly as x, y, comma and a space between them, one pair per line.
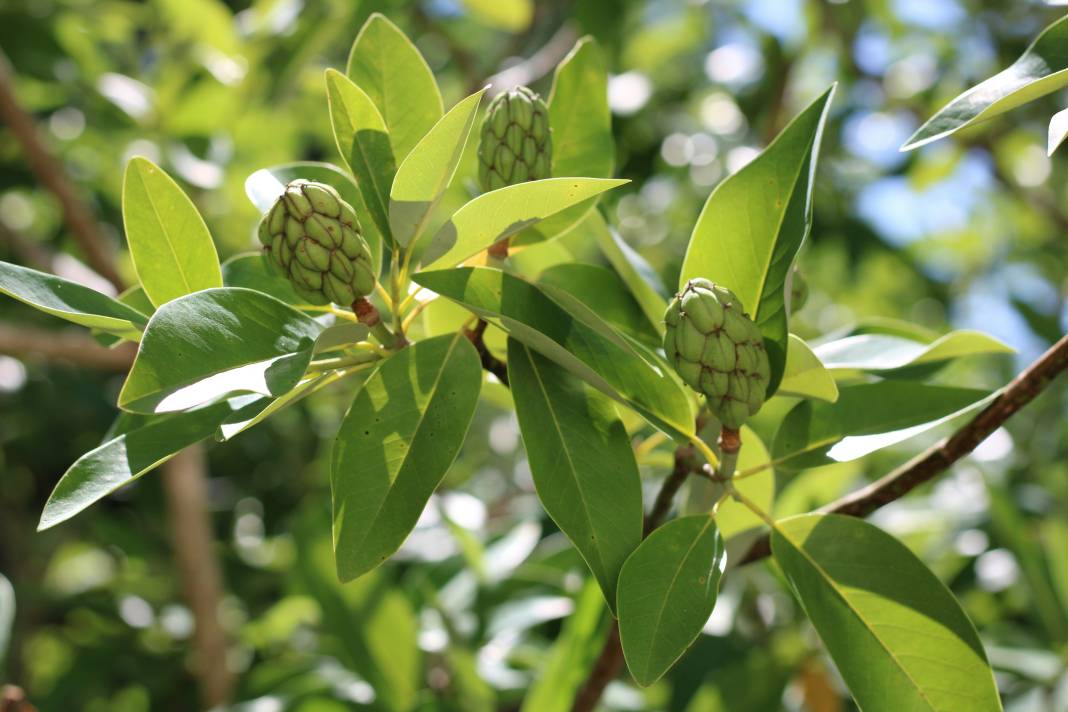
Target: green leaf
580, 342
581, 461
572, 655
7, 616
1058, 131
265, 186
250, 410
866, 417
501, 213
399, 438
170, 245
667, 590
604, 292
388, 67
363, 141
69, 300
125, 456
1040, 70
581, 130
632, 268
899, 638
805, 375
753, 224
202, 347
875, 353
427, 171
505, 15
251, 271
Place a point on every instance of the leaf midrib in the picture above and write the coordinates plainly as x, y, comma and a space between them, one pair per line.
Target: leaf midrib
867, 626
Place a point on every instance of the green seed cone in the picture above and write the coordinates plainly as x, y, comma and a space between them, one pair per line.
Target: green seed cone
717, 350
314, 238
515, 144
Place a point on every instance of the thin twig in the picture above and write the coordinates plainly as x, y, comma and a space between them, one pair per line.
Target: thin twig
938, 458
50, 173
489, 362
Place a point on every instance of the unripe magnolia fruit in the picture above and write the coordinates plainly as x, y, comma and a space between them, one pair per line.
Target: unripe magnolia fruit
515, 144
314, 238
717, 350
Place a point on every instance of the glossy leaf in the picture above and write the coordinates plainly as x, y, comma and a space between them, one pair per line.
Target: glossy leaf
866, 417
385, 64
265, 186
667, 590
1058, 131
581, 123
755, 221
252, 409
899, 638
427, 171
805, 375
251, 271
604, 292
363, 141
501, 213
125, 456
202, 347
884, 352
639, 275
171, 247
577, 340
397, 441
1040, 70
581, 461
69, 300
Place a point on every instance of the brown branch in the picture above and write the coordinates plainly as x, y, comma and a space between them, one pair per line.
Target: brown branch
940, 457
71, 345
52, 176
186, 486
489, 362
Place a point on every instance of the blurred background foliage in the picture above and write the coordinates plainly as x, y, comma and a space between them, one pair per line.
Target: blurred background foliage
968, 232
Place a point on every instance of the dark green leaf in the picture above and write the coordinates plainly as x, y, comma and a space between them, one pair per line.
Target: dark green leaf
604, 292
667, 590
202, 347
399, 438
581, 460
899, 638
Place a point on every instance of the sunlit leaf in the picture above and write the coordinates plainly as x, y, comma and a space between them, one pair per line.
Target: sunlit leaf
897, 635
753, 224
363, 141
201, 347
805, 375
883, 352
427, 171
171, 247
385, 64
1058, 131
1040, 70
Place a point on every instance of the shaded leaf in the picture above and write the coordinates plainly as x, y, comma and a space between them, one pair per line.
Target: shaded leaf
899, 638
632, 268
171, 247
667, 590
753, 224
581, 461
69, 300
605, 293
577, 340
866, 417
732, 517
397, 441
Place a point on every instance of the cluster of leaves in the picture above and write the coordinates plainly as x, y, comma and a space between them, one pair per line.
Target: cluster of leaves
223, 347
